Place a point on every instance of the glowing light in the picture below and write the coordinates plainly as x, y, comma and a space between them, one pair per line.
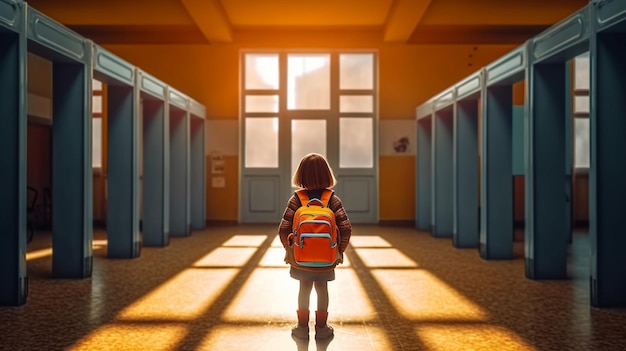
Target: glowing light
419, 295
261, 338
480, 337
300, 65
47, 252
184, 297
267, 69
246, 240
226, 257
350, 300
440, 316
276, 242
380, 258
34, 255
266, 296
271, 295
135, 337
368, 241
274, 257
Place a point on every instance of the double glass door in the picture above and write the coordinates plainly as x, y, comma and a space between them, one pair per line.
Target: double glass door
296, 103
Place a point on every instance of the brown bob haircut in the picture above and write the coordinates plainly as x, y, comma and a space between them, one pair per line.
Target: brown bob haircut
314, 173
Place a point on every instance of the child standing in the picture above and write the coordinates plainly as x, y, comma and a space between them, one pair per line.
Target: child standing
315, 175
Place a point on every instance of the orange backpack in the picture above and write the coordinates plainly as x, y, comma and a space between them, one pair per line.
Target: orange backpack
315, 231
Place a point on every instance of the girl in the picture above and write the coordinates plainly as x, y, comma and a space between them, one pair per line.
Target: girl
313, 174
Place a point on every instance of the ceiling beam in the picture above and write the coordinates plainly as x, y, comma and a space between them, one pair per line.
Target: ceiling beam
211, 19
139, 34
475, 34
403, 17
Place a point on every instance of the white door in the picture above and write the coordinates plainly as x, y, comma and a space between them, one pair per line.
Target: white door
296, 103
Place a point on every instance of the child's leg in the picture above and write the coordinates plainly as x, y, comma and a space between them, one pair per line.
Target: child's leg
304, 295
321, 289
322, 329
301, 330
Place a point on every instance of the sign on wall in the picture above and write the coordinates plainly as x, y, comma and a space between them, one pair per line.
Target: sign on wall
397, 137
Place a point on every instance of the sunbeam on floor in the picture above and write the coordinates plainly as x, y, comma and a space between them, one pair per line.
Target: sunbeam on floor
228, 288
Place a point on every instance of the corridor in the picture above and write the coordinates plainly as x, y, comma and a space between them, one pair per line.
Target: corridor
227, 288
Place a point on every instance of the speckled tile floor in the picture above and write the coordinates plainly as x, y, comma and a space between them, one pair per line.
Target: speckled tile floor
226, 288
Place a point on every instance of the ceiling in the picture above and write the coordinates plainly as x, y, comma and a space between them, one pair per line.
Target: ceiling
219, 21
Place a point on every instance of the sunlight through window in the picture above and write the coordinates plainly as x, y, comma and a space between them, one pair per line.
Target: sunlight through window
226, 257
439, 315
257, 338
136, 337
265, 297
261, 103
34, 255
308, 82
307, 135
274, 257
276, 242
262, 71
246, 240
269, 297
47, 252
261, 149
420, 295
261, 338
381, 258
368, 241
457, 337
184, 297
99, 243
349, 298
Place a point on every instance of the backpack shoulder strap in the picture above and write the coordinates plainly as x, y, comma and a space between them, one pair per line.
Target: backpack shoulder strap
303, 195
326, 195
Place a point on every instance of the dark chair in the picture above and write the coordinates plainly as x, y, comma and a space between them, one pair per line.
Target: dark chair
31, 206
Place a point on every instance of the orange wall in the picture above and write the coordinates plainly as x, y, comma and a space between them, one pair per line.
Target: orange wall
221, 203
408, 75
397, 188
581, 198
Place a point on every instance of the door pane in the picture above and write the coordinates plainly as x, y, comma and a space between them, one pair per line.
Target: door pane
356, 71
307, 135
581, 104
356, 103
356, 138
262, 71
261, 103
308, 82
96, 85
261, 142
581, 72
581, 142
96, 142
96, 104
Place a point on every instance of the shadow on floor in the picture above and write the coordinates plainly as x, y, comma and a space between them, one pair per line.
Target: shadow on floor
227, 288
